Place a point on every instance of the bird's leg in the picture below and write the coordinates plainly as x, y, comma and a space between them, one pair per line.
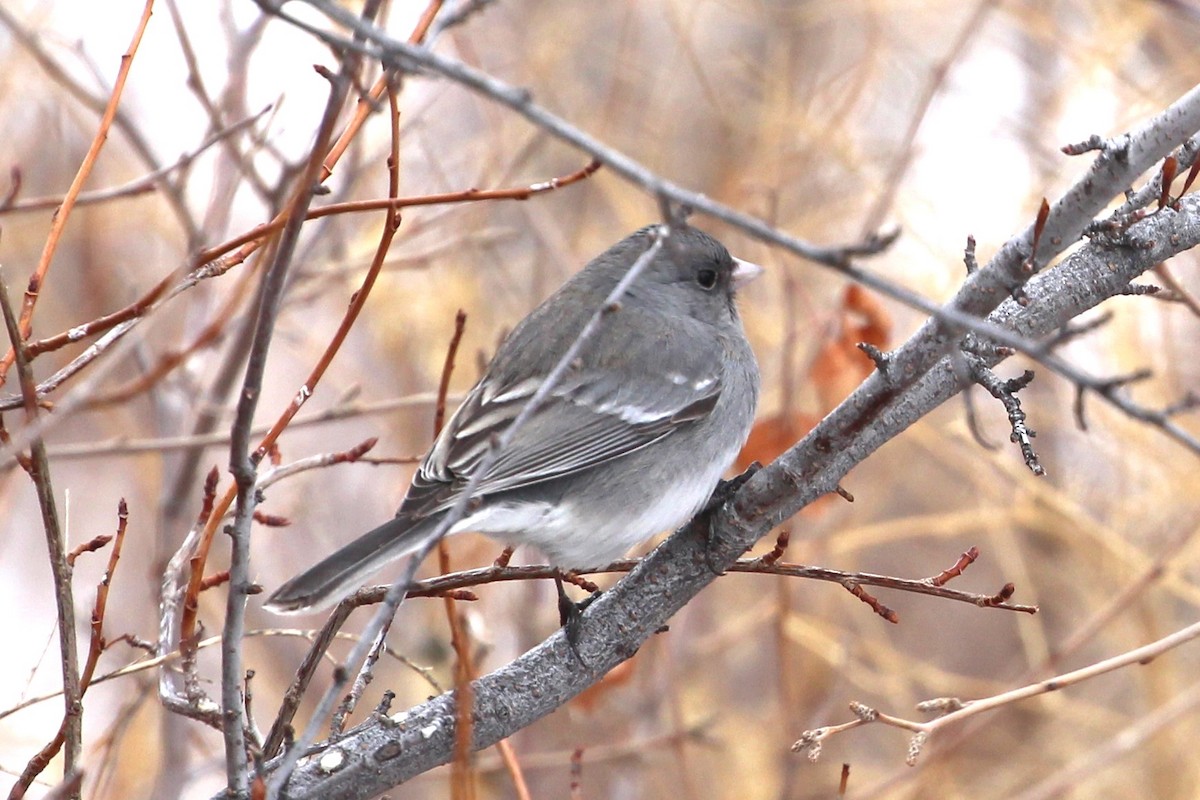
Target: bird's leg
721, 494
727, 489
570, 614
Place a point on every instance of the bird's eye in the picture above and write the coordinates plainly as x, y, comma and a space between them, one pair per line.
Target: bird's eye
707, 278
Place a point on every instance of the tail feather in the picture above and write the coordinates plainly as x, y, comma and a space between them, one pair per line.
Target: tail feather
335, 576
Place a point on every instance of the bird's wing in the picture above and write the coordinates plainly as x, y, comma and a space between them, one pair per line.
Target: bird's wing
589, 418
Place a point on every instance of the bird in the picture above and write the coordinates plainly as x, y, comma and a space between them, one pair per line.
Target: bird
629, 443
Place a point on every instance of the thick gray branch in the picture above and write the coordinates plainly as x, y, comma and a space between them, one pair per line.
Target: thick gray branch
385, 752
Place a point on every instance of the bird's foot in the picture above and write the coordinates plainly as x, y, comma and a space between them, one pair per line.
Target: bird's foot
570, 616
720, 495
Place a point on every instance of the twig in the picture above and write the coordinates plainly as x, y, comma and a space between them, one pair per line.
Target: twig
518, 193
282, 726
147, 183
98, 104
810, 741
497, 573
512, 766
461, 773
90, 546
121, 446
272, 476
59, 222
243, 462
965, 560
1006, 392
97, 643
457, 15
70, 734
392, 224
1181, 291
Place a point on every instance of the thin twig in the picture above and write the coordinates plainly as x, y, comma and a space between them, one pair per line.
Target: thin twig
396, 203
149, 182
121, 446
461, 770
70, 735
437, 586
391, 226
961, 710
59, 222
98, 104
242, 461
281, 728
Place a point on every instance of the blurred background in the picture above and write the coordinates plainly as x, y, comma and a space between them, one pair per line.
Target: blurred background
831, 120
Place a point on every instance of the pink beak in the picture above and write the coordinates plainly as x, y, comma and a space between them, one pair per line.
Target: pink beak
744, 272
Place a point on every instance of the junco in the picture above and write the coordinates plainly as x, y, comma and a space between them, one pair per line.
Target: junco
631, 441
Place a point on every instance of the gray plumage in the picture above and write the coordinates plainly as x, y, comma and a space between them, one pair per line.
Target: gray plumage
631, 442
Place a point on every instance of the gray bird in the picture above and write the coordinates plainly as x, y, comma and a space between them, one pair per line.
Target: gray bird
631, 442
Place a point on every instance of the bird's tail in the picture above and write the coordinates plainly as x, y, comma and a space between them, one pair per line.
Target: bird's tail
336, 576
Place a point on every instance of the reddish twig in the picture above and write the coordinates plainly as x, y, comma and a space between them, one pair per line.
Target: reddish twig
497, 573
439, 409
251, 237
777, 552
271, 520
964, 561
1166, 178
509, 758
191, 600
90, 546
1001, 597
96, 646
461, 774
391, 226
370, 100
870, 599
171, 359
216, 579
59, 222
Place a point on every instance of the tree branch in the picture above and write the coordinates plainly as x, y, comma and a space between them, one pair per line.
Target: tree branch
384, 753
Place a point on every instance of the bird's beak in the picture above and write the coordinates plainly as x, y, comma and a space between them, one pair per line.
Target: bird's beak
744, 272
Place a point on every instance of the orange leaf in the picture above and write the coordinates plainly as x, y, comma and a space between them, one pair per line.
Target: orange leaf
839, 365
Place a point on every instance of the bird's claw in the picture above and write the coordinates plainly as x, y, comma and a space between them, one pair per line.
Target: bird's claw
721, 495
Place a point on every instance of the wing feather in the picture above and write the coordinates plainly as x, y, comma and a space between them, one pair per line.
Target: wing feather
588, 419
